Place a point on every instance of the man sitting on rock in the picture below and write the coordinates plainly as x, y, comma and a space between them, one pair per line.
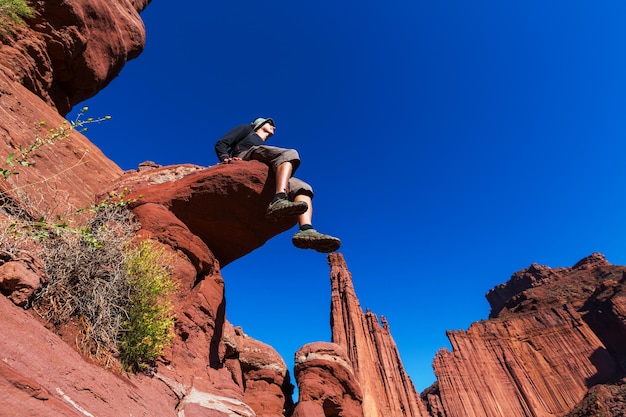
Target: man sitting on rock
293, 196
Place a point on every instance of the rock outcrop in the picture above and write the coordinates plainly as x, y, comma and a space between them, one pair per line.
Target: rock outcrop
185, 208
553, 334
210, 368
64, 55
387, 389
71, 49
537, 364
224, 205
326, 382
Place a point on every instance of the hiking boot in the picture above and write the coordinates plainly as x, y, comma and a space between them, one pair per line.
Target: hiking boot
312, 239
284, 208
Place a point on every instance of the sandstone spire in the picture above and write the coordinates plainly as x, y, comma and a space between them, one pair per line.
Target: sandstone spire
387, 389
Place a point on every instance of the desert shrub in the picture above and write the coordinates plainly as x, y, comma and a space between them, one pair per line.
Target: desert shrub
147, 328
87, 276
15, 245
118, 294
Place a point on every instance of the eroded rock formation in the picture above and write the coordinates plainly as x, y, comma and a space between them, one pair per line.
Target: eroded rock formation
554, 334
210, 368
185, 208
71, 49
327, 383
64, 55
540, 364
387, 389
224, 205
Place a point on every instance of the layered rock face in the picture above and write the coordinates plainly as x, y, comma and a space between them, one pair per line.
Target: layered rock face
538, 364
554, 334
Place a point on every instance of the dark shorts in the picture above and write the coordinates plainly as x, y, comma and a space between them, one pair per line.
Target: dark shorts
275, 156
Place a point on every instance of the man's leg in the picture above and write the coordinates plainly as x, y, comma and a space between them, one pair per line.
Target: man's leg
283, 173
309, 238
281, 206
283, 162
307, 216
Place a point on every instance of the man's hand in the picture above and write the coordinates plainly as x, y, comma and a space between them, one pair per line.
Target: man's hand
229, 160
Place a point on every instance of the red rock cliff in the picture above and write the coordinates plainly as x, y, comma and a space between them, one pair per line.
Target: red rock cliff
553, 335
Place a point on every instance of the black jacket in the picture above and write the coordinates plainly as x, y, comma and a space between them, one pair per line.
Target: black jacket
237, 140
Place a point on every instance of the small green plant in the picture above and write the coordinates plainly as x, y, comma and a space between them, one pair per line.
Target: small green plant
13, 12
147, 329
21, 156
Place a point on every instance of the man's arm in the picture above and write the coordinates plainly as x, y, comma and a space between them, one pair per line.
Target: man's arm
229, 140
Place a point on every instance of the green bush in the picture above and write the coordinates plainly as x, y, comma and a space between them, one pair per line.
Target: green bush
13, 11
147, 329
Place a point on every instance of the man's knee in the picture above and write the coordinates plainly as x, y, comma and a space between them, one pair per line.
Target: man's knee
291, 155
288, 155
297, 187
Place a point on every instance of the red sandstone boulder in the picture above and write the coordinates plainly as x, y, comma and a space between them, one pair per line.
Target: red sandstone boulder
18, 282
326, 381
224, 205
265, 376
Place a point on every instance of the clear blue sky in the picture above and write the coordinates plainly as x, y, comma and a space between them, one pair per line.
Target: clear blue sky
450, 143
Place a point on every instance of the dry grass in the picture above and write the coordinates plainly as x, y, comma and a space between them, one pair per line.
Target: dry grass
87, 278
